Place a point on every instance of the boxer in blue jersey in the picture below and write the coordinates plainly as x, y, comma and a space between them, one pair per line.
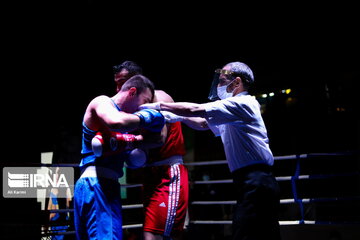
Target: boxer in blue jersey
97, 200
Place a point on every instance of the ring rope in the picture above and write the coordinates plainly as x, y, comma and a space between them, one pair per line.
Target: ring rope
132, 226
132, 206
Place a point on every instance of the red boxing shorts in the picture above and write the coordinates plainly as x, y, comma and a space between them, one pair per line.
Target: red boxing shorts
166, 192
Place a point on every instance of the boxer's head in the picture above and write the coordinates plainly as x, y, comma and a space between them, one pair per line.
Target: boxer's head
139, 90
124, 71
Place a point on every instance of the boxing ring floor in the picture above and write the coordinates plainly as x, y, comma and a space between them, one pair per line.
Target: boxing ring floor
320, 199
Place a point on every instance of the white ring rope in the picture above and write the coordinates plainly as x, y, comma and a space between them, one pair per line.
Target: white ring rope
132, 226
131, 185
132, 206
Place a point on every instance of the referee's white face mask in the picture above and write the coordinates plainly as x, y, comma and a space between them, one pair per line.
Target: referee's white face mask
222, 91
220, 84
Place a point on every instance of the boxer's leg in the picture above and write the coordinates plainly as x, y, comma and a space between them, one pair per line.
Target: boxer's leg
96, 216
166, 201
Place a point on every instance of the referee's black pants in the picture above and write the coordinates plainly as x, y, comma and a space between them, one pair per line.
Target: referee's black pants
258, 197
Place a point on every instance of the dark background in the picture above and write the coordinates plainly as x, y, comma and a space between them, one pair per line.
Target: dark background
58, 55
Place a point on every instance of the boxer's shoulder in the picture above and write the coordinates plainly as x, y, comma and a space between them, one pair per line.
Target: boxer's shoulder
162, 96
102, 98
99, 101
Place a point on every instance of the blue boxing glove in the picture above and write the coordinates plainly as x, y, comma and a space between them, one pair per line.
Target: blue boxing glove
151, 119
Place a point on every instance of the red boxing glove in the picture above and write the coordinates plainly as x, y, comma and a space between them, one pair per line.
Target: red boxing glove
113, 144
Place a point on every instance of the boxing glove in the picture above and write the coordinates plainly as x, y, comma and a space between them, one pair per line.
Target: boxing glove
113, 144
136, 159
151, 119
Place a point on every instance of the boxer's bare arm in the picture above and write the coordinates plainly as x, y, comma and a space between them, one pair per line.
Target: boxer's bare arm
101, 114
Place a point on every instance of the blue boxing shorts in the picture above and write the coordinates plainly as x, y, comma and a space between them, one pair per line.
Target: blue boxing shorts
97, 209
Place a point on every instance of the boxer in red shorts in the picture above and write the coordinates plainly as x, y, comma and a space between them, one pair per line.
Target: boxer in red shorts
166, 187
